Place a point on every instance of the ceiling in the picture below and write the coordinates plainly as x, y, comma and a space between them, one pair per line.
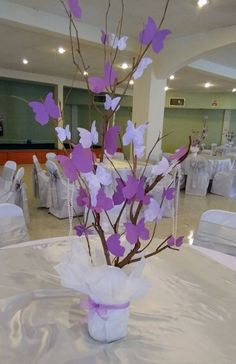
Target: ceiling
183, 17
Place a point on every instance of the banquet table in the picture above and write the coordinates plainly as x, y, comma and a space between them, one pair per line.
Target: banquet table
215, 164
187, 317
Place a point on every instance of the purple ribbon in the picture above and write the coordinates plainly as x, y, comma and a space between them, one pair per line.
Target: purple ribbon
101, 309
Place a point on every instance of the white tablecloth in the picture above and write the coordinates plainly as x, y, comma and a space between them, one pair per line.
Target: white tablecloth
188, 316
215, 164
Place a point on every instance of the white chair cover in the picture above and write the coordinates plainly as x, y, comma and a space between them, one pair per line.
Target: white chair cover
198, 177
7, 176
59, 190
41, 184
12, 225
217, 231
224, 184
168, 206
51, 155
118, 156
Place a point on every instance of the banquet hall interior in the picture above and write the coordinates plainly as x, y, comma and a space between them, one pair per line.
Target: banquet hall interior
187, 97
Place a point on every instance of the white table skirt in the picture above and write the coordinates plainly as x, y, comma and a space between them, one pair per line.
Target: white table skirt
188, 316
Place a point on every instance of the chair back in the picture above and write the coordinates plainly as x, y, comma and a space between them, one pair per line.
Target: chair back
217, 231
37, 164
12, 225
51, 155
198, 177
9, 170
18, 178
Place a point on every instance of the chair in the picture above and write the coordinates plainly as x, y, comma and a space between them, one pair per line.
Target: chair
9, 170
157, 191
217, 231
198, 177
59, 190
51, 155
41, 184
12, 225
224, 183
213, 148
18, 195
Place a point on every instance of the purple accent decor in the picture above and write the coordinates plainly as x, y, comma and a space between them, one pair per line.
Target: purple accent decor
114, 247
178, 154
111, 139
104, 37
175, 241
75, 8
98, 84
118, 196
134, 232
101, 309
44, 110
82, 230
151, 34
103, 202
169, 193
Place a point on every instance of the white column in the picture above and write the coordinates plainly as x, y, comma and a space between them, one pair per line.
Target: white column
226, 125
59, 97
149, 106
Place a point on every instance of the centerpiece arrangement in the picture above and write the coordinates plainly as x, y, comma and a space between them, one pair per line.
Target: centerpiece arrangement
102, 270
198, 138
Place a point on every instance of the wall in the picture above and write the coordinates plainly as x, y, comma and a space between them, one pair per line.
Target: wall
19, 124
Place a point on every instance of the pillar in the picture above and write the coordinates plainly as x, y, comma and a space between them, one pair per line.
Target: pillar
149, 106
226, 125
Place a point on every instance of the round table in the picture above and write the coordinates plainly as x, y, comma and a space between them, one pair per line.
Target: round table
188, 316
215, 164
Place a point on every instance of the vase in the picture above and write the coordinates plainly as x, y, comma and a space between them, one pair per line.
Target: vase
107, 323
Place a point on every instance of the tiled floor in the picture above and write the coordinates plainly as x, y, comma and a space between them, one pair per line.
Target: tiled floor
44, 225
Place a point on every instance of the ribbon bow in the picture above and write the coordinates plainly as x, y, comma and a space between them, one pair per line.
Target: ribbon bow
101, 309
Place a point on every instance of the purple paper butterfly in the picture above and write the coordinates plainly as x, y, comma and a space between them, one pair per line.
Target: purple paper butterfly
111, 139
178, 154
46, 109
118, 196
151, 34
175, 241
114, 247
98, 84
75, 8
103, 202
81, 161
169, 193
131, 187
82, 198
82, 230
135, 232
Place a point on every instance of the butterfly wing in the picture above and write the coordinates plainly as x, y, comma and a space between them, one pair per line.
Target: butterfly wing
67, 132
114, 103
113, 40
109, 75
107, 103
131, 233
61, 134
51, 107
144, 63
69, 168
142, 231
114, 247
171, 241
179, 241
85, 137
41, 114
159, 38
75, 8
111, 139
129, 133
122, 43
97, 84
148, 32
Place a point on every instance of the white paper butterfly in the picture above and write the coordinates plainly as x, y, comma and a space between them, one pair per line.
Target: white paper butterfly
115, 42
136, 136
63, 134
111, 103
87, 138
144, 63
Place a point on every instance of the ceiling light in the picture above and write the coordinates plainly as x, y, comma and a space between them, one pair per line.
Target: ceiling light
124, 66
202, 3
207, 84
234, 90
166, 88
131, 82
25, 61
172, 77
61, 50
85, 73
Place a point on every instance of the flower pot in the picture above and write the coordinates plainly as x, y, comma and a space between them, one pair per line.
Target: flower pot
107, 323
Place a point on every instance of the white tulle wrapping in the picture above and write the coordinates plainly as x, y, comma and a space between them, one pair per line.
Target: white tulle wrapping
105, 285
